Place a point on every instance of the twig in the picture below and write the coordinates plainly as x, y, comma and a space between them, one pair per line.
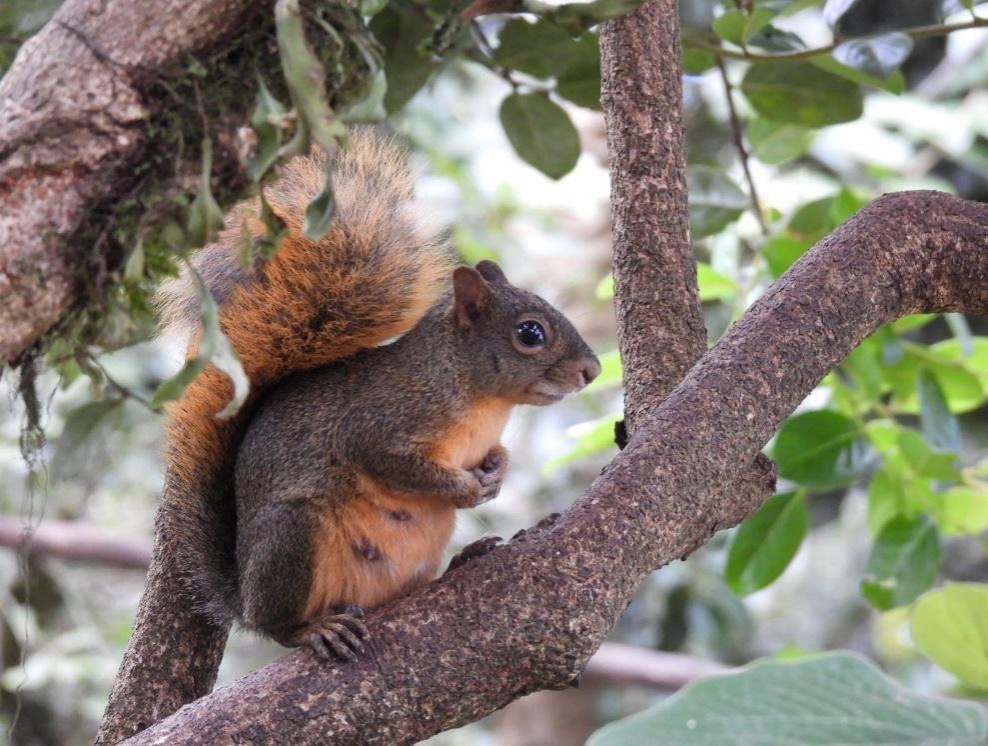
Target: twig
917, 32
738, 135
616, 663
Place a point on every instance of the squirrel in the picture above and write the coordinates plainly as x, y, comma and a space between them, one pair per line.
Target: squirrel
376, 404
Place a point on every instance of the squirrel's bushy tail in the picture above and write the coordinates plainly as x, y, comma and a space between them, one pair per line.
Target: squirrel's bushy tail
370, 278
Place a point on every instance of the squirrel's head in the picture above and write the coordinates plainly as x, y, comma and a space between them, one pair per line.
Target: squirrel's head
526, 350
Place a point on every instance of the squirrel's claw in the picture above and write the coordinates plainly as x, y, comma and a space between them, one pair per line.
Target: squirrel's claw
473, 550
335, 636
490, 473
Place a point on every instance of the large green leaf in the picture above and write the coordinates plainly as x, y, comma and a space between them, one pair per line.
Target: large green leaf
904, 562
835, 699
402, 29
821, 450
950, 625
541, 133
802, 94
540, 49
765, 543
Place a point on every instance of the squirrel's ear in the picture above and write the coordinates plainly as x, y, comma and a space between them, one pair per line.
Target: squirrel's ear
471, 295
491, 272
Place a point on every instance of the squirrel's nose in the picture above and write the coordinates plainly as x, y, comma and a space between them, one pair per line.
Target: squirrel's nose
589, 369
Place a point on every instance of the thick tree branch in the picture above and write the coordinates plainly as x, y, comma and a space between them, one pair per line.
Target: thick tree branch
529, 615
73, 117
173, 654
77, 541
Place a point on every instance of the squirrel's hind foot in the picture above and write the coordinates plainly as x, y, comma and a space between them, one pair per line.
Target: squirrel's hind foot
335, 636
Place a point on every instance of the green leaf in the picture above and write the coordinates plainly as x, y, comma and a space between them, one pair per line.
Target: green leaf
778, 142
834, 698
878, 56
319, 214
79, 431
802, 94
610, 371
729, 26
577, 17
580, 81
895, 83
696, 61
963, 509
276, 229
205, 216
605, 288
713, 285
714, 199
821, 450
781, 252
939, 425
592, 437
134, 269
540, 49
912, 321
773, 39
267, 122
215, 349
402, 31
541, 133
306, 81
950, 625
766, 542
372, 7
904, 562
885, 500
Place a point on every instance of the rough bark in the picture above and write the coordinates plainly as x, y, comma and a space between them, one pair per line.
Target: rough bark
660, 322
73, 117
661, 332
173, 654
528, 615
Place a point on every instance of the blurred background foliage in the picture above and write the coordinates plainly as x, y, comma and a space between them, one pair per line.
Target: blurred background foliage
798, 112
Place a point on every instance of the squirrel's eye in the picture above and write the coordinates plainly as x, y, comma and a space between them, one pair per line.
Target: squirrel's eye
530, 333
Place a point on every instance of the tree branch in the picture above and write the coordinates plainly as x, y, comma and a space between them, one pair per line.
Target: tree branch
530, 613
659, 319
917, 32
74, 108
72, 540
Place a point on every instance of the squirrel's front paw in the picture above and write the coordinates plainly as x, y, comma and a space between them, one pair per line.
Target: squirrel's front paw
490, 473
475, 549
334, 636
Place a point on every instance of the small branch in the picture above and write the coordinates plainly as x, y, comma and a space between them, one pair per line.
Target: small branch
917, 32
74, 541
737, 132
631, 665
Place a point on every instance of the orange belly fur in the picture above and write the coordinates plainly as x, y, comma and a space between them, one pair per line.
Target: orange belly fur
384, 543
